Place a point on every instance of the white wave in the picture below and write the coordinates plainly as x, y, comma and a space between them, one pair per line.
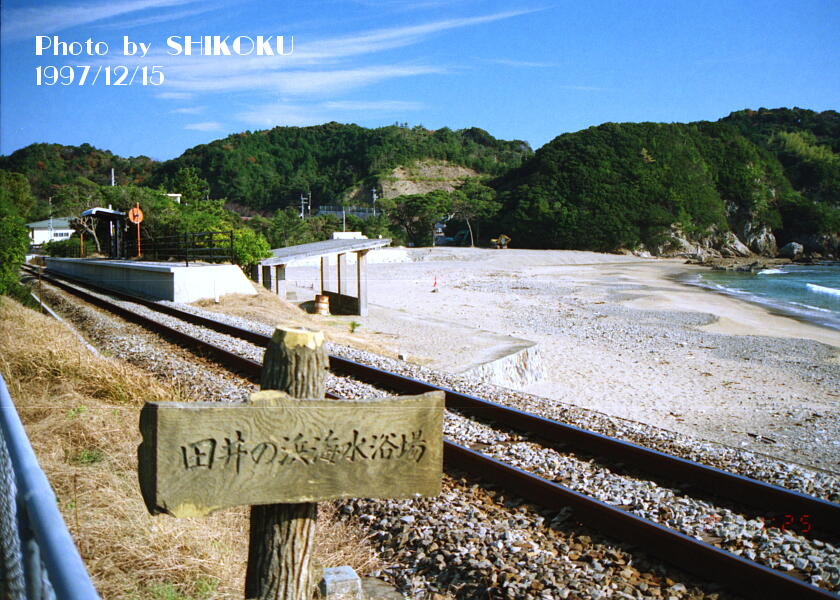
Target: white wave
771, 272
821, 289
809, 307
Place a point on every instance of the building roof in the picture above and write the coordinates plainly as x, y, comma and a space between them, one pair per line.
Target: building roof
57, 223
105, 213
283, 256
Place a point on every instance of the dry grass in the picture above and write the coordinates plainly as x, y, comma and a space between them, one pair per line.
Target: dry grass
266, 307
81, 414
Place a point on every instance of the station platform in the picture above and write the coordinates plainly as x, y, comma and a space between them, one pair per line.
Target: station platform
157, 280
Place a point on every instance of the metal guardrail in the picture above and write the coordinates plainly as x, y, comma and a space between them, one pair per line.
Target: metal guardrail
38, 559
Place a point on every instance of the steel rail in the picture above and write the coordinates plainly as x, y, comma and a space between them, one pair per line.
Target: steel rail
768, 498
704, 560
238, 363
764, 496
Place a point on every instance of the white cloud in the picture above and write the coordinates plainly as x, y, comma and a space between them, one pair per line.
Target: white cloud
205, 126
21, 23
271, 115
394, 37
190, 110
320, 68
295, 83
159, 18
174, 95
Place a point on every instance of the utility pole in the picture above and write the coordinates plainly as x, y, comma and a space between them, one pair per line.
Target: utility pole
112, 176
306, 205
373, 193
51, 220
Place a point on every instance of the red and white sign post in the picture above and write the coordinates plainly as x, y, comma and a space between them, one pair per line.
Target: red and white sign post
135, 215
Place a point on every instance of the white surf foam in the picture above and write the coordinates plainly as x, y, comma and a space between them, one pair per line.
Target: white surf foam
771, 272
821, 289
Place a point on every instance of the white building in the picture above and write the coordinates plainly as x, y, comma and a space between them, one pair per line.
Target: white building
50, 230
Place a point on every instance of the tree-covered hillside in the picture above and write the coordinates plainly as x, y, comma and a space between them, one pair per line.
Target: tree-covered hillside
807, 145
269, 169
48, 166
754, 180
631, 184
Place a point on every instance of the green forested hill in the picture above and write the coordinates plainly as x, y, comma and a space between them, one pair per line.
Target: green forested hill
620, 185
269, 169
50, 165
761, 125
760, 178
806, 143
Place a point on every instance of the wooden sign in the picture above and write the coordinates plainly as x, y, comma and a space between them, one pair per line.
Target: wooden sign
200, 457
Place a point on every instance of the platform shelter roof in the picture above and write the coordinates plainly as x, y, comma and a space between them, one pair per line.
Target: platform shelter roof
104, 213
283, 256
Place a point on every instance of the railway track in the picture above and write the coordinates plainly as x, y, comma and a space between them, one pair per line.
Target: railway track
692, 555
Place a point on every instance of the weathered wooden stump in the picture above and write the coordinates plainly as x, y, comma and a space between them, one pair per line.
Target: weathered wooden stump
281, 535
283, 451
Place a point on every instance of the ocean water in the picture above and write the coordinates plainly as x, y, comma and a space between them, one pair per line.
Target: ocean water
808, 292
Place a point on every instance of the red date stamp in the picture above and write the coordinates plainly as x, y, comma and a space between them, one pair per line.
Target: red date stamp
796, 523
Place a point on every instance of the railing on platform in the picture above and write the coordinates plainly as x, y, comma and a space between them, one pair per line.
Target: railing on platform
363, 212
38, 560
209, 246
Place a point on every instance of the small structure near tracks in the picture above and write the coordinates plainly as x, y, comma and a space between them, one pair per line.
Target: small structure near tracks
285, 449
340, 300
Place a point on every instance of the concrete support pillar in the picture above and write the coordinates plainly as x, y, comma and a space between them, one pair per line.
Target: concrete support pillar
325, 276
361, 281
342, 274
256, 273
280, 281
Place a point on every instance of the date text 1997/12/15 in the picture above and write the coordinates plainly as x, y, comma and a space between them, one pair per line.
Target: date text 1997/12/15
101, 75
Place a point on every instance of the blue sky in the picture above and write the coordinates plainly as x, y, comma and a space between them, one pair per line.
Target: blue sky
521, 70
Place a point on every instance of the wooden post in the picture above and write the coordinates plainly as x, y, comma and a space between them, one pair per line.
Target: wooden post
325, 275
282, 535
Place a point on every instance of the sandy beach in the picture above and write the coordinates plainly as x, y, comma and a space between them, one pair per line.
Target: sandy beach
616, 334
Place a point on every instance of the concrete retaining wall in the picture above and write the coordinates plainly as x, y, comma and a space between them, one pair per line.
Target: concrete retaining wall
514, 371
158, 281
